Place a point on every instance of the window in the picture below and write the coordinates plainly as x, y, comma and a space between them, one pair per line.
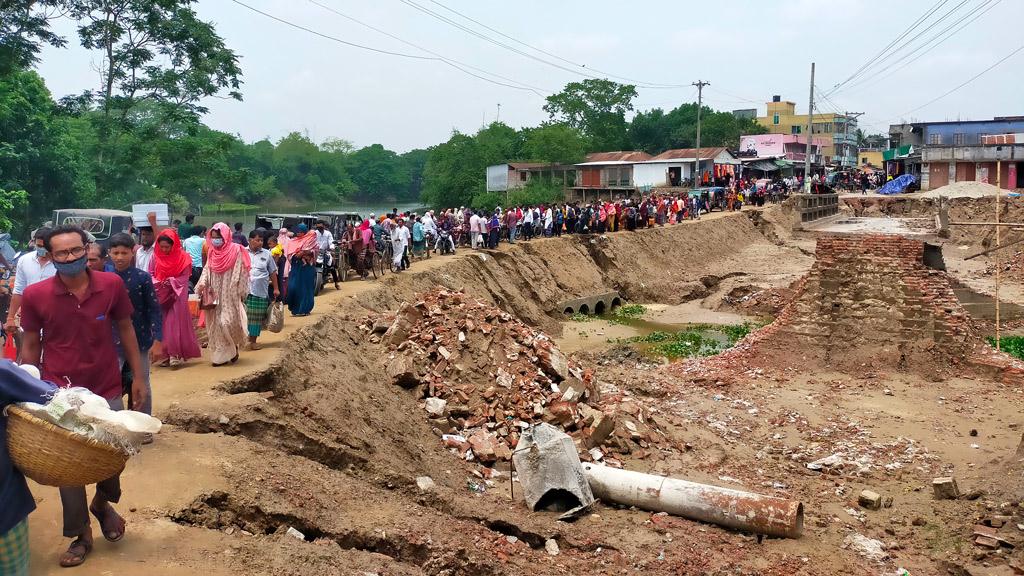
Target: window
775, 119
522, 176
795, 129
958, 139
935, 138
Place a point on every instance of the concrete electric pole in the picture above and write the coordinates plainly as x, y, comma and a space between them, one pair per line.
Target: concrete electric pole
810, 134
700, 84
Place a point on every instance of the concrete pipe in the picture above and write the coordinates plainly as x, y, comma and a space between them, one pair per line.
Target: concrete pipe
730, 508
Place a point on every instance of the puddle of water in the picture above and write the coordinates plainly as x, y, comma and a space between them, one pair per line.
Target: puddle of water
983, 307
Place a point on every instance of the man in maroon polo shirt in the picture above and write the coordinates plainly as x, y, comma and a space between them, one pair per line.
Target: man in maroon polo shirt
69, 321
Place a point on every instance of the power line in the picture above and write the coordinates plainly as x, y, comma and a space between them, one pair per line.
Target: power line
971, 79
895, 51
329, 37
910, 29
864, 82
451, 62
557, 57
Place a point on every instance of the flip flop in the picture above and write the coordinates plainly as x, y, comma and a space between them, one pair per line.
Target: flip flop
76, 553
111, 533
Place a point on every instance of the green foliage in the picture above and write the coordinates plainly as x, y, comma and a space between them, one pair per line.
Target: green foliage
10, 202
581, 317
1012, 345
695, 340
558, 143
597, 108
630, 311
379, 173
654, 131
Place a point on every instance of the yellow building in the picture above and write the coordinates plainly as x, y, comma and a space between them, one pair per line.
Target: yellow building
838, 131
870, 157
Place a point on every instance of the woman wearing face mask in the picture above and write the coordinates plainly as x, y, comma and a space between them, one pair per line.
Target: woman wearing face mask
171, 269
225, 280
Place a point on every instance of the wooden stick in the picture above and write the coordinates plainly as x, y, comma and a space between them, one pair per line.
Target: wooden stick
983, 252
999, 260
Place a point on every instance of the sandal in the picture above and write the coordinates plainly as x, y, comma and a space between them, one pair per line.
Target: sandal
111, 533
76, 553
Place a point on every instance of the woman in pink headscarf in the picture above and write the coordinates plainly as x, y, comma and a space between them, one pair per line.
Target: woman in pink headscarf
225, 280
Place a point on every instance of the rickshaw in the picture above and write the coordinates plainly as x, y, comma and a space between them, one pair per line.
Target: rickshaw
289, 221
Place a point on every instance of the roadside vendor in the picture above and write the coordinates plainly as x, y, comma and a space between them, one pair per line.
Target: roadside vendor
16, 501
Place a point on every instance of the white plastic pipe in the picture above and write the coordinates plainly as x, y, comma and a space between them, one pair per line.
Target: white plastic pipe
723, 506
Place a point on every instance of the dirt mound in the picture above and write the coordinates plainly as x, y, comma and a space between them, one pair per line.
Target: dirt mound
962, 190
483, 376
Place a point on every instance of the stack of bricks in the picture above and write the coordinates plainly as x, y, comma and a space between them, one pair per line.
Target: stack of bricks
870, 300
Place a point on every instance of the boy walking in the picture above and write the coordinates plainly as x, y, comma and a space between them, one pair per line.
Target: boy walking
262, 272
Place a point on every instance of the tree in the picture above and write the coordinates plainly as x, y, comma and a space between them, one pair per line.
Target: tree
24, 24
41, 152
155, 51
415, 161
378, 173
11, 201
655, 131
597, 108
555, 143
457, 169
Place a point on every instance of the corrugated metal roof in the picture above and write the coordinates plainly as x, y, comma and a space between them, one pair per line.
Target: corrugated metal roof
621, 156
609, 163
681, 153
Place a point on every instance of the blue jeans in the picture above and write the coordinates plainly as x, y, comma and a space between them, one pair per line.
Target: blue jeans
147, 406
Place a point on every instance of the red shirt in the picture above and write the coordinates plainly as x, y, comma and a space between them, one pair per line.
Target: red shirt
78, 337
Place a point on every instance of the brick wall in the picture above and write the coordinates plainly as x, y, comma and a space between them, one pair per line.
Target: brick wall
870, 300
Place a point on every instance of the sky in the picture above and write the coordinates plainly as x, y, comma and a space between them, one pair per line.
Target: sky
748, 50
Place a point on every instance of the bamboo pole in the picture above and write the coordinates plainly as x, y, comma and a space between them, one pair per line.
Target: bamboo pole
999, 260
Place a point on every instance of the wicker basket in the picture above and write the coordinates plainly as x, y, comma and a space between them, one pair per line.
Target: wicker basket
53, 456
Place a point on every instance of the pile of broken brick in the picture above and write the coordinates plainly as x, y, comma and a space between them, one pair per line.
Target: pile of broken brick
484, 376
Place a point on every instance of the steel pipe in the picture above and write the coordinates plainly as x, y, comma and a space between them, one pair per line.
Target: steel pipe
735, 509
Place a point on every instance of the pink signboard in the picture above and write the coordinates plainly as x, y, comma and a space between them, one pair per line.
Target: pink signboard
763, 144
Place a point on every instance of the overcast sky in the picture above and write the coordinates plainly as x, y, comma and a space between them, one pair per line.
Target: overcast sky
748, 50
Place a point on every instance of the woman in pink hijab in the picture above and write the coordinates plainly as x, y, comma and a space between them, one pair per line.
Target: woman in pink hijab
225, 280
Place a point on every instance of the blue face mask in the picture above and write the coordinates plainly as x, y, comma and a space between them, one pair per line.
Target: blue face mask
40, 252
218, 242
72, 268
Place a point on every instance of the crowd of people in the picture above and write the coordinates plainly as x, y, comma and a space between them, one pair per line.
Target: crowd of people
100, 315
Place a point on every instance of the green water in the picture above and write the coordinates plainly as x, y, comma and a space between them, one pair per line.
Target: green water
680, 340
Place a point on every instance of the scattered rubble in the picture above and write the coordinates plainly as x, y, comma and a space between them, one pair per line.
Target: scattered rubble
945, 488
485, 376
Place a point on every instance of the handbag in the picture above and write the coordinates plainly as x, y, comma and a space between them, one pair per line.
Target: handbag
275, 317
164, 293
207, 300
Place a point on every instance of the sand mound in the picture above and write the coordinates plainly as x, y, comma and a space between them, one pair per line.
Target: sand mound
962, 190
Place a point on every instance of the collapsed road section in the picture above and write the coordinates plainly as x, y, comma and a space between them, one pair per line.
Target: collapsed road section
393, 454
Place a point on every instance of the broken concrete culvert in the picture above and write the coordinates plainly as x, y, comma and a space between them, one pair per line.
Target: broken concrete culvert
338, 438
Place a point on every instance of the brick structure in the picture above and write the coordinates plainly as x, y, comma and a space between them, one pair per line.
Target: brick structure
870, 300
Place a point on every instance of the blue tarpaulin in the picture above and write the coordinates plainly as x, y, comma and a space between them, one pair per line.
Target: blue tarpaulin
897, 184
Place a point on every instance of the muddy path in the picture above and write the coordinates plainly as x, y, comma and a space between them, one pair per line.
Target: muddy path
310, 434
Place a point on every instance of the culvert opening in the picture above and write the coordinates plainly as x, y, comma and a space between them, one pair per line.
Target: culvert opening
616, 302
584, 309
599, 308
568, 311
557, 500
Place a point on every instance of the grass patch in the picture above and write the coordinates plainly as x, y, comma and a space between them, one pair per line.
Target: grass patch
581, 317
631, 311
1012, 345
696, 340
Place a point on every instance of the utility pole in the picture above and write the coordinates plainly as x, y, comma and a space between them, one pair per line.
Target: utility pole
498, 117
700, 84
810, 133
846, 128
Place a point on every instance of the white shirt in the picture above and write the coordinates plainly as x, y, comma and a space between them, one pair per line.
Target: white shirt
263, 266
144, 258
324, 240
30, 270
428, 224
474, 223
404, 236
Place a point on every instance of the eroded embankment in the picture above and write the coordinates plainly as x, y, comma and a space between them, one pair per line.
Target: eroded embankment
327, 403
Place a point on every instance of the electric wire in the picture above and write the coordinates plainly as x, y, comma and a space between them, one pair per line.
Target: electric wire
451, 62
557, 57
869, 81
910, 29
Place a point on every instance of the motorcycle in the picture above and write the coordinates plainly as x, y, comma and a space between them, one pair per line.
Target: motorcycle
444, 240
325, 265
